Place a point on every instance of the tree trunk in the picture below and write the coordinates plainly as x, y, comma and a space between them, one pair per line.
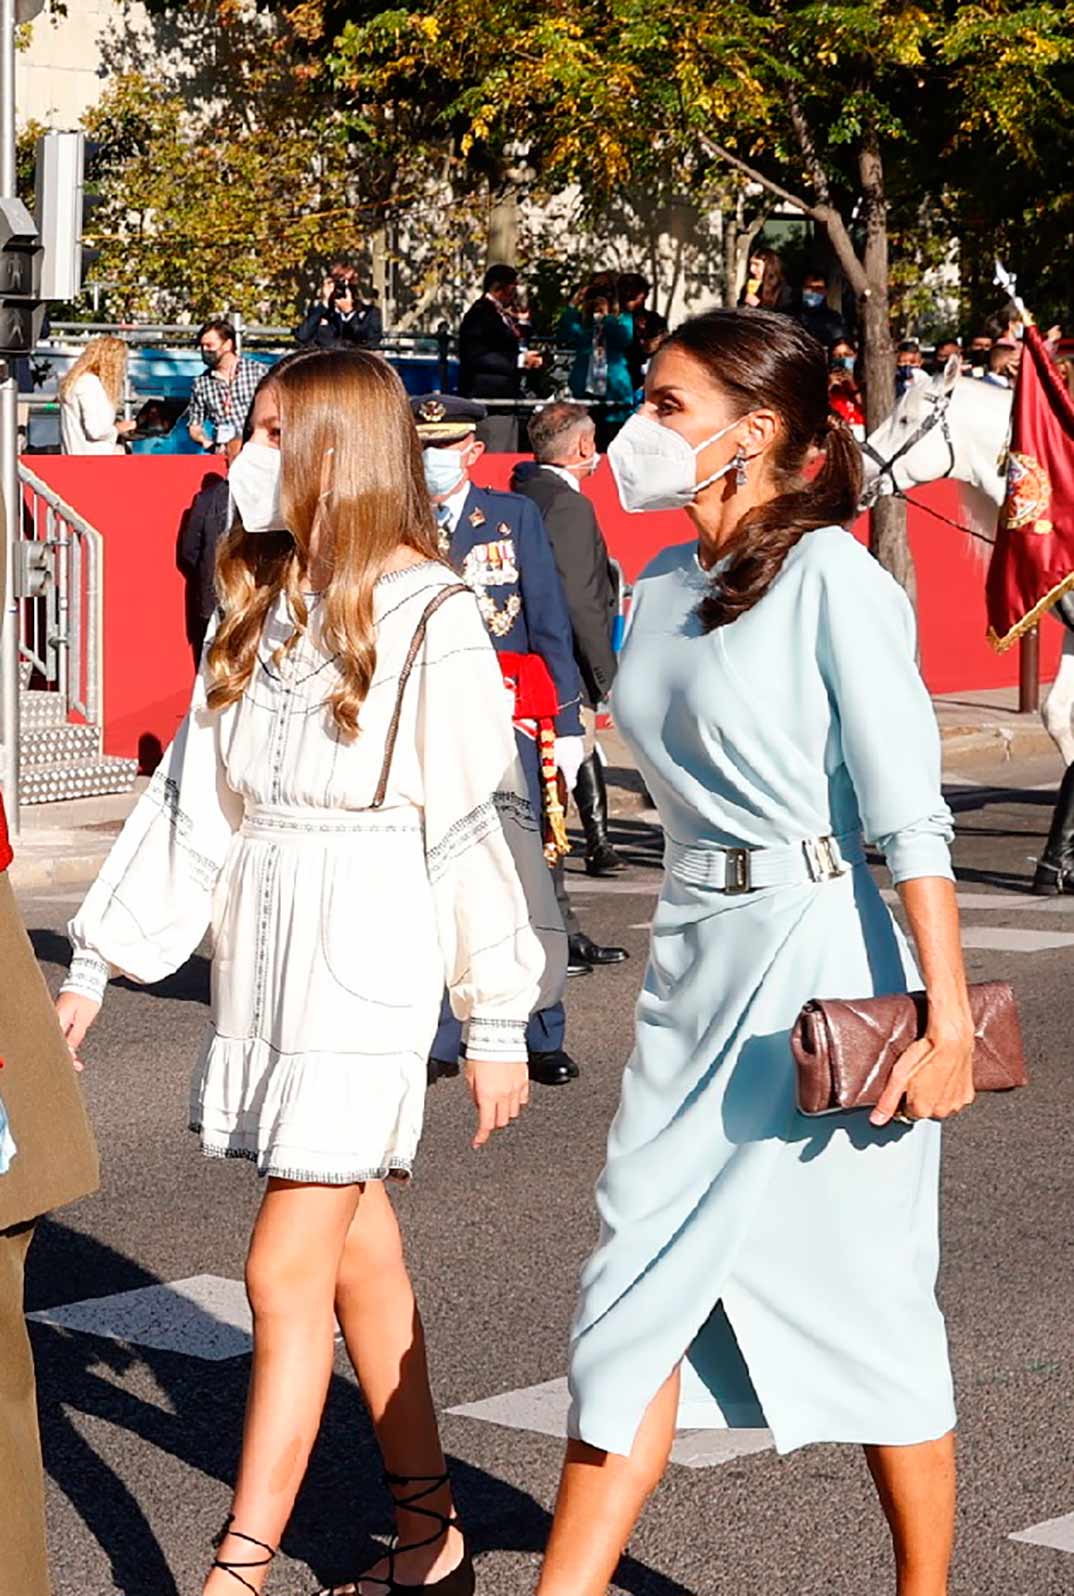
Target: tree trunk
378, 270
738, 246
503, 227
887, 537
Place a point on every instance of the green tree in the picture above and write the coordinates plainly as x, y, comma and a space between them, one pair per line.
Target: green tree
854, 114
222, 172
230, 172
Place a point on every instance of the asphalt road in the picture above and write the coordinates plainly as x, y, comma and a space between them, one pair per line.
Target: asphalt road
140, 1441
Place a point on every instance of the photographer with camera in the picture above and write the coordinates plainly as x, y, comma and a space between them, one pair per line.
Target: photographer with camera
340, 318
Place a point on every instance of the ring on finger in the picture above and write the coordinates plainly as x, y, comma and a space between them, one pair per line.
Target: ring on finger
903, 1119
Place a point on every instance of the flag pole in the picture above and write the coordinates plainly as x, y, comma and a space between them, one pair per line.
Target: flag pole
1029, 643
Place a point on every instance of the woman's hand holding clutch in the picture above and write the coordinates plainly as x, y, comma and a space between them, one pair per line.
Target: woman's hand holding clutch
934, 1075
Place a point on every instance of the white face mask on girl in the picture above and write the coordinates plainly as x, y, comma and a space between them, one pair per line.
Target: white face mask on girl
254, 484
655, 468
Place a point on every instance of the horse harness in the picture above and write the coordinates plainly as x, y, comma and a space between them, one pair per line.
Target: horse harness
937, 417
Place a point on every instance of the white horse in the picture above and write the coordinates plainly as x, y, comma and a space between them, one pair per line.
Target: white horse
959, 427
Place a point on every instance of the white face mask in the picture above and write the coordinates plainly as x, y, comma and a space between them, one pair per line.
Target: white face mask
655, 468
254, 484
444, 469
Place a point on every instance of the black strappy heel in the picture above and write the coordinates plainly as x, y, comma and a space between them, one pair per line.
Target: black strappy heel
460, 1582
232, 1568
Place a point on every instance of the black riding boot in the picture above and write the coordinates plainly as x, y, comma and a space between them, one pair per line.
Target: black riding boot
1055, 867
591, 796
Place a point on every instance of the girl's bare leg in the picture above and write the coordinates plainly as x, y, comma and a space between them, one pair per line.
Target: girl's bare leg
382, 1328
916, 1486
291, 1272
601, 1496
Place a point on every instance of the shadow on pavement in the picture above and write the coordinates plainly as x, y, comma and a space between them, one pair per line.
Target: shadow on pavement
195, 1415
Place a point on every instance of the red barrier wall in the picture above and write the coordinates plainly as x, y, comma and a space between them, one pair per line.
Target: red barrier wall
138, 503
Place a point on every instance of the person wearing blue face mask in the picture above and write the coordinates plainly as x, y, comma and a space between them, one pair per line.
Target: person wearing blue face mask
844, 392
909, 366
816, 315
498, 544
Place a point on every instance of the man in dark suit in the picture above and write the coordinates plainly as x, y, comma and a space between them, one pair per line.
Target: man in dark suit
493, 356
204, 526
563, 439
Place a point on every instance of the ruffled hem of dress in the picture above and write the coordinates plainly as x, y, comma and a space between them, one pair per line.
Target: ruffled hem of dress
268, 1165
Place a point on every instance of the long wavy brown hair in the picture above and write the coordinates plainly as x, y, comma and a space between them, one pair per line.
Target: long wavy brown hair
759, 358
352, 491
106, 358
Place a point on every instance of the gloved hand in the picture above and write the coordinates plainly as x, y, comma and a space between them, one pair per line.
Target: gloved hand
570, 752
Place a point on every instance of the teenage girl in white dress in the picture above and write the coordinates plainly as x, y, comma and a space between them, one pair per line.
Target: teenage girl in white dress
338, 912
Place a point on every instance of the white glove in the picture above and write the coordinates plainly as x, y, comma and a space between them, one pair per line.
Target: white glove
570, 752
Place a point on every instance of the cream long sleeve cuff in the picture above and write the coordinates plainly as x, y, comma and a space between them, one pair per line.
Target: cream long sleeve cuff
494, 1039
88, 976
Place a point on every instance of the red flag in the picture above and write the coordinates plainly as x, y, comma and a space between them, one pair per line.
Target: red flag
1033, 560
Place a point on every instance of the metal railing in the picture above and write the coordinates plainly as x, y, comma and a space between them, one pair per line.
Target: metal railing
61, 609
184, 334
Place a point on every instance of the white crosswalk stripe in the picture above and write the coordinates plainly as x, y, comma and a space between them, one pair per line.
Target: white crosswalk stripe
984, 938
542, 1409
206, 1317
1056, 1533
1011, 939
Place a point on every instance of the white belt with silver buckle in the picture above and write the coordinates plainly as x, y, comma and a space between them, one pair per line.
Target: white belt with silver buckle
740, 870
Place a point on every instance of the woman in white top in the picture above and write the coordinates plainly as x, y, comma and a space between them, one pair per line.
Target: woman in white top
344, 883
90, 394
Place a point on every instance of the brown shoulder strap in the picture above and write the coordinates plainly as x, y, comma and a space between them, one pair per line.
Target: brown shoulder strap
404, 676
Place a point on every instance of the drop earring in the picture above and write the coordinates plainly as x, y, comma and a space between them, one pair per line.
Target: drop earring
741, 471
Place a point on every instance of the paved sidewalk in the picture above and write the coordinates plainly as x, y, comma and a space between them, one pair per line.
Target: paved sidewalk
986, 726
65, 843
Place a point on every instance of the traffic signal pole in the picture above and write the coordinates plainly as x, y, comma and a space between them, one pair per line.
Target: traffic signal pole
9, 459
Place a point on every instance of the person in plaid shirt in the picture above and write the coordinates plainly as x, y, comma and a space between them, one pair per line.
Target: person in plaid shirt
224, 392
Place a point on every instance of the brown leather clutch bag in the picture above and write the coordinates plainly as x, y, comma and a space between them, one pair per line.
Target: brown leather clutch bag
845, 1049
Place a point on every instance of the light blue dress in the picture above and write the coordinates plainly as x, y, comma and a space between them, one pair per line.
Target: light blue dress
792, 1261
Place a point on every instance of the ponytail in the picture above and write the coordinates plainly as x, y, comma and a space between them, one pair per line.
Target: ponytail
760, 359
766, 534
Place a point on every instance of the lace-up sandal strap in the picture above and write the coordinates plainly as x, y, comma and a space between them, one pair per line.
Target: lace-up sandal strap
233, 1567
428, 1484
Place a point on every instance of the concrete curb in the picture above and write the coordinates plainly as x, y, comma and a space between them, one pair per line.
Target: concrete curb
35, 866
994, 744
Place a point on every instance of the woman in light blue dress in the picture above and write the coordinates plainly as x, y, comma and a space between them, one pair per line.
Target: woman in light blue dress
756, 1267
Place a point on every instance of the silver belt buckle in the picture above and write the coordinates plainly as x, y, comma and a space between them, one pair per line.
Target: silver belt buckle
737, 875
822, 857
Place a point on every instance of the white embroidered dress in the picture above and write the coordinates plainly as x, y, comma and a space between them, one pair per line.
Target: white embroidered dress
336, 926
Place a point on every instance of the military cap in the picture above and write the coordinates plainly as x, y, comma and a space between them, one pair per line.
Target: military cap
445, 417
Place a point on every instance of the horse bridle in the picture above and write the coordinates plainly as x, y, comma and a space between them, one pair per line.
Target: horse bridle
937, 417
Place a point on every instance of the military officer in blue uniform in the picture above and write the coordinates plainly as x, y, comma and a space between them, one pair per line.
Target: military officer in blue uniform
498, 544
